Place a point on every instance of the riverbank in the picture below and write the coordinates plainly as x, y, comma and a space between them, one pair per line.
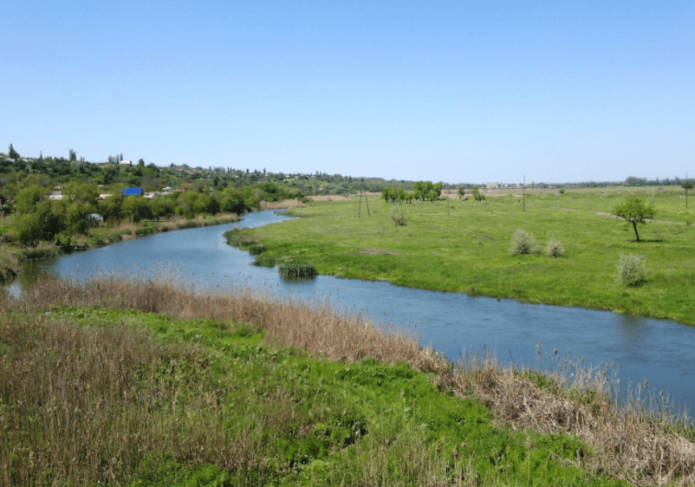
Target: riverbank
12, 255
466, 249
264, 391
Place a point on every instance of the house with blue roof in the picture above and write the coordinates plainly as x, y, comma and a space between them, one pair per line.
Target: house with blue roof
131, 192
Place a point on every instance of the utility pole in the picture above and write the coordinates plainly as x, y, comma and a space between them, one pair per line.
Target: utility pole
686, 190
524, 197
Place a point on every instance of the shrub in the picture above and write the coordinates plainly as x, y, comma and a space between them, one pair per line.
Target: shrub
297, 269
554, 249
632, 269
265, 260
523, 243
399, 216
257, 249
561, 191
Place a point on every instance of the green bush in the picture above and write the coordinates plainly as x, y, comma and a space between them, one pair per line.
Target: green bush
399, 216
297, 269
265, 260
632, 269
554, 249
257, 249
523, 243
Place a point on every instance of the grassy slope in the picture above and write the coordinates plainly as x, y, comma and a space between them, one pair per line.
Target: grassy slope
360, 423
468, 250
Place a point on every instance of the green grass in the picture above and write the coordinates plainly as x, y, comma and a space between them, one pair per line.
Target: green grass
468, 251
315, 422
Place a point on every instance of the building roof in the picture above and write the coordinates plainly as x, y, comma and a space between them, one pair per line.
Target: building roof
131, 192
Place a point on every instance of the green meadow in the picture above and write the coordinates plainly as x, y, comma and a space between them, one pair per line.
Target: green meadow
465, 248
123, 397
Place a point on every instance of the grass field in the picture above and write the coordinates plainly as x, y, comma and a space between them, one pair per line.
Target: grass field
468, 250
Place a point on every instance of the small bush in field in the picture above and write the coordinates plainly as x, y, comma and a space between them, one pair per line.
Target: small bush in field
554, 249
632, 269
399, 216
297, 269
523, 243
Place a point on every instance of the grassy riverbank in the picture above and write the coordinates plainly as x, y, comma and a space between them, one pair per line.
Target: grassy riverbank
115, 383
468, 250
12, 254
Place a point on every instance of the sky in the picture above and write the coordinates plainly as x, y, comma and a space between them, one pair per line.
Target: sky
446, 91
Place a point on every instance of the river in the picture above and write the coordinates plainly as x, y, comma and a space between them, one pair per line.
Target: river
658, 351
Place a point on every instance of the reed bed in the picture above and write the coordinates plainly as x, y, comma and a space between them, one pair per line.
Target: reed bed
630, 442
280, 205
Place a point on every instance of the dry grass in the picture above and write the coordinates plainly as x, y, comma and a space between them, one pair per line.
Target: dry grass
9, 264
645, 447
64, 384
280, 205
329, 197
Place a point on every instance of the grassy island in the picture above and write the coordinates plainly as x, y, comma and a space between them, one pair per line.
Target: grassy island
467, 248
120, 383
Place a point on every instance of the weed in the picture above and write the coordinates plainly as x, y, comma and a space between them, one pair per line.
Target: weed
632, 269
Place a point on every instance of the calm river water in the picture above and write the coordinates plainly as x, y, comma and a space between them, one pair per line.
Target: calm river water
640, 349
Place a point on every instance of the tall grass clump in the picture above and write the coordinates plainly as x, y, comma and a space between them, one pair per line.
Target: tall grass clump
297, 269
9, 264
399, 216
554, 248
523, 243
632, 269
236, 238
265, 260
257, 249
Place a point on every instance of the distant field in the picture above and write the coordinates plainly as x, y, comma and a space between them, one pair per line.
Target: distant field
467, 251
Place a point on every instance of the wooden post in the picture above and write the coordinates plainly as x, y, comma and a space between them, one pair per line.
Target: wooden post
524, 197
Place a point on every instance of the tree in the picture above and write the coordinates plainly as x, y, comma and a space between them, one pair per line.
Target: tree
476, 194
635, 210
13, 154
461, 192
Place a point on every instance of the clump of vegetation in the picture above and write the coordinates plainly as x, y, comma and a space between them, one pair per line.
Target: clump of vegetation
265, 260
9, 264
399, 216
561, 191
257, 249
236, 238
523, 243
632, 269
554, 248
297, 269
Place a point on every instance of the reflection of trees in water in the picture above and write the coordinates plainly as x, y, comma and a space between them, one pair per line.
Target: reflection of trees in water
29, 273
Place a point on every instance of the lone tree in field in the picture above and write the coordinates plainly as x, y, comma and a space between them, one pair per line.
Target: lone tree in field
635, 210
461, 191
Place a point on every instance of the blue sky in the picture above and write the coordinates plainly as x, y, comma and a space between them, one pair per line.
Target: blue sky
452, 91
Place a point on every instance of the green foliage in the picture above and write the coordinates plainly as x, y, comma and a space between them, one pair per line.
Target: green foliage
635, 210
257, 249
399, 216
297, 269
265, 260
461, 192
136, 208
632, 269
523, 243
554, 248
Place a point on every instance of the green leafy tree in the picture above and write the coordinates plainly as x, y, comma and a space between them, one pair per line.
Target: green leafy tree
136, 208
635, 210
461, 192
